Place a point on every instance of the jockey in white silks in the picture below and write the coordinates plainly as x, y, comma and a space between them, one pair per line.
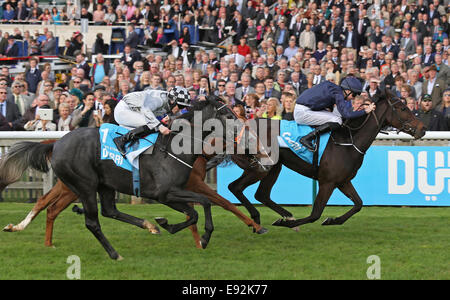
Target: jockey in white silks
140, 110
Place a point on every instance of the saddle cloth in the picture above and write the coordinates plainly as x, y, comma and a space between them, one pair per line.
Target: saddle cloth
108, 149
291, 133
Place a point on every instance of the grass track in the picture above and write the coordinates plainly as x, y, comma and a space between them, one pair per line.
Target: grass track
412, 243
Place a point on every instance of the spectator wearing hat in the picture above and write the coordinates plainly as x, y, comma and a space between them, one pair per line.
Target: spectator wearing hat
434, 86
433, 119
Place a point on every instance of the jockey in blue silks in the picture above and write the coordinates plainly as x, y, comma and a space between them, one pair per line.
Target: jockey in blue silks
324, 105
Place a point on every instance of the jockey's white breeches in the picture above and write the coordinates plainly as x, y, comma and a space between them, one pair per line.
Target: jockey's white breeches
305, 116
127, 117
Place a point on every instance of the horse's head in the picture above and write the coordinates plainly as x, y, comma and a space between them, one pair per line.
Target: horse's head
398, 115
237, 133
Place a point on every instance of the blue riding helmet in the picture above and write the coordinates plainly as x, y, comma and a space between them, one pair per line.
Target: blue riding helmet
352, 84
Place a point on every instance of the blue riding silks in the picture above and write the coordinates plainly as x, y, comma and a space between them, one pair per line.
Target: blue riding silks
108, 149
291, 133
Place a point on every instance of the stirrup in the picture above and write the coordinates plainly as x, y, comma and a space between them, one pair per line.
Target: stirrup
308, 146
120, 145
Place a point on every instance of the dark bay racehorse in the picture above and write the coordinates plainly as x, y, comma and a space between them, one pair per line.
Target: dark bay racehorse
75, 159
338, 166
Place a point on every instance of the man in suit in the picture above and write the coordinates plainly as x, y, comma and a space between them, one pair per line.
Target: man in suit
23, 103
443, 69
3, 42
297, 81
48, 47
68, 49
129, 56
390, 47
318, 78
33, 75
281, 34
361, 26
428, 56
434, 86
238, 27
407, 44
208, 22
270, 91
245, 87
21, 12
9, 109
351, 39
81, 63
132, 38
230, 90
12, 49
186, 54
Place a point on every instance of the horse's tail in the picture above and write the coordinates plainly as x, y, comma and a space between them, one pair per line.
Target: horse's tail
21, 156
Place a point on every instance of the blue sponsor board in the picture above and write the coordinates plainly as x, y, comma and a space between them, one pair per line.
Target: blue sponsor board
412, 176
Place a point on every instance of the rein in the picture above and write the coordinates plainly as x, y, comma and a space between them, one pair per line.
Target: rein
378, 122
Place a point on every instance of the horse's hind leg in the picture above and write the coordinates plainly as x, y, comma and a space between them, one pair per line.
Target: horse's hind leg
348, 190
177, 197
86, 189
238, 186
109, 210
323, 195
265, 187
65, 198
43, 202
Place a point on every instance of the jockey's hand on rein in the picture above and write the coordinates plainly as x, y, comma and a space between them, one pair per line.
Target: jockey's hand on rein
164, 130
369, 108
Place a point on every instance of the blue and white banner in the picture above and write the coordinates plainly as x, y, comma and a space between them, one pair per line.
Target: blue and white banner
390, 175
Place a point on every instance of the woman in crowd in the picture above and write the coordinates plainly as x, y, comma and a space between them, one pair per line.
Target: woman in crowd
273, 111
63, 123
251, 105
288, 106
239, 111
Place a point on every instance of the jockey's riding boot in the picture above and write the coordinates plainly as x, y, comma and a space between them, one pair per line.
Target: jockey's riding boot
131, 136
308, 139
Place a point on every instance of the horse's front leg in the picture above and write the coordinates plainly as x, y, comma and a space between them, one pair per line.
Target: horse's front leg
323, 195
348, 190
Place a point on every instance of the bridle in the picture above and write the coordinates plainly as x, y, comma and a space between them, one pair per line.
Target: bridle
406, 126
253, 160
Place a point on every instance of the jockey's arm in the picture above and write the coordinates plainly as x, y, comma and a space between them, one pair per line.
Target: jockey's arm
346, 109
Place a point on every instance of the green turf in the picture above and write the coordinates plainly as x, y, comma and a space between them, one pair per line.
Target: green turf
412, 243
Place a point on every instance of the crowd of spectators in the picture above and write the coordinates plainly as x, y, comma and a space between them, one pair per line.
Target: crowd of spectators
275, 52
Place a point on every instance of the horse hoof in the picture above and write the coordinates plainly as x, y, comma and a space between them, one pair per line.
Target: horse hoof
296, 229
262, 231
161, 221
328, 221
153, 229
119, 258
279, 222
204, 243
9, 228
